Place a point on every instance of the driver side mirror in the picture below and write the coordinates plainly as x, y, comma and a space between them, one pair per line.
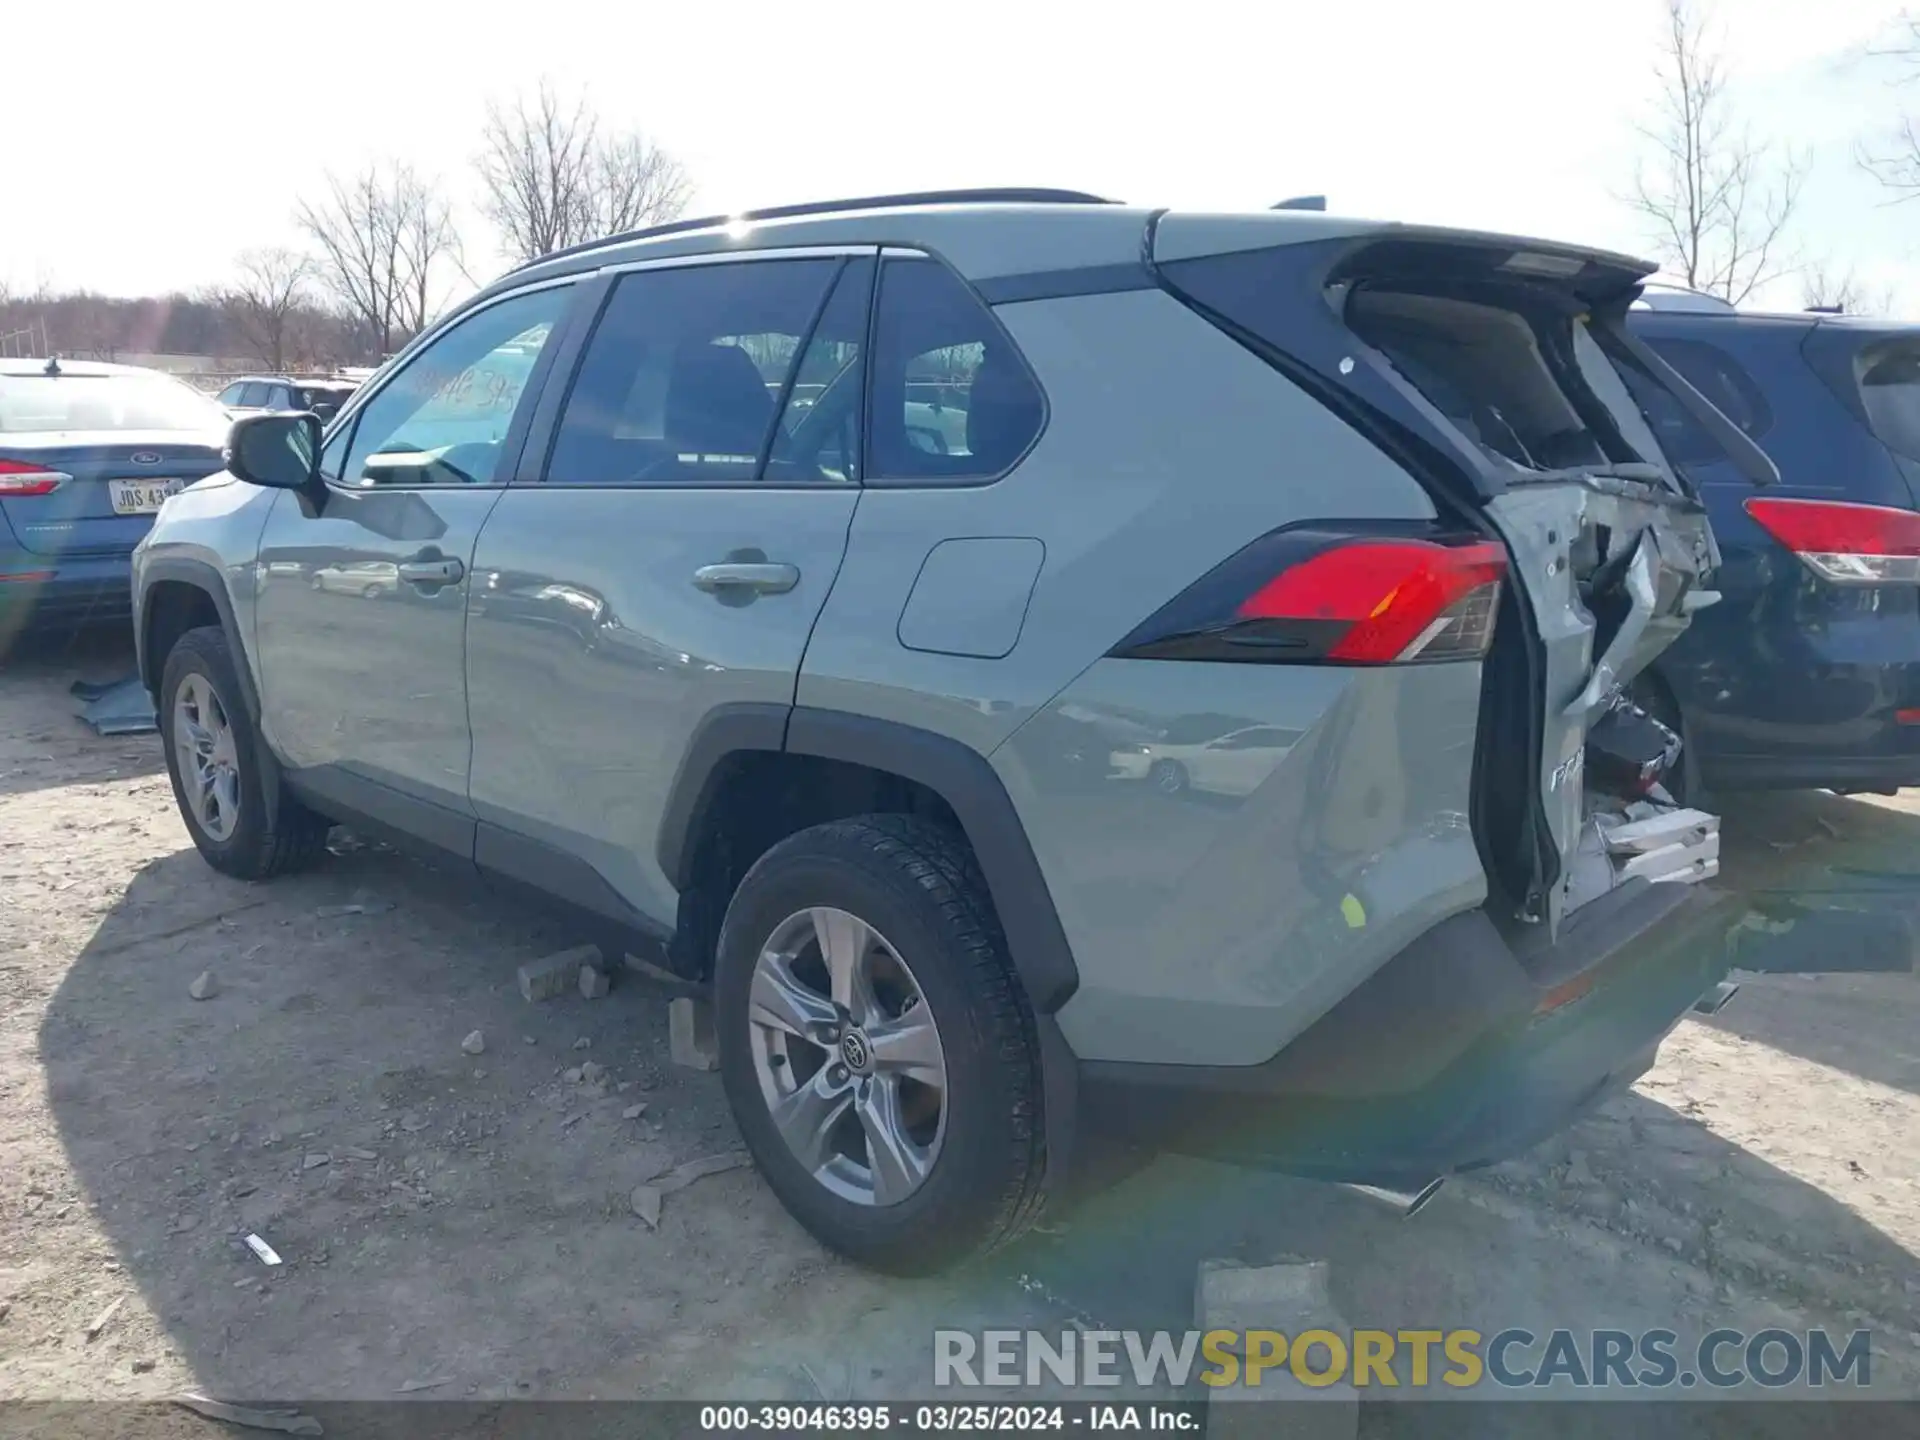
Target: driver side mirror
280, 452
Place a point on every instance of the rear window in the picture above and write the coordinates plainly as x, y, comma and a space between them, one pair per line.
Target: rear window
1533, 389
103, 402
1890, 390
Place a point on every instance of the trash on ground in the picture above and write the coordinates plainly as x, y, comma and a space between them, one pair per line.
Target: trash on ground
104, 1318
645, 1202
268, 1255
116, 707
286, 1419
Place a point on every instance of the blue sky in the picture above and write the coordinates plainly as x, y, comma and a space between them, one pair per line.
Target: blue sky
175, 141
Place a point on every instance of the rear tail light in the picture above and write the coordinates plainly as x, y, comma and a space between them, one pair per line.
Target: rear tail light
25, 477
1335, 597
1845, 543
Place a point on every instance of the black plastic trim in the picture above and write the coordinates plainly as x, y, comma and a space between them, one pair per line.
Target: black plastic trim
725, 730
203, 577
557, 875
1052, 284
966, 781
340, 794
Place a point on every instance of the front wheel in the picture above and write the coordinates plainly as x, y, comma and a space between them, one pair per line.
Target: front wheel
220, 770
878, 1050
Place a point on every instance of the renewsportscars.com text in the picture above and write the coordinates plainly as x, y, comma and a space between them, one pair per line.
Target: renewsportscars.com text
1513, 1358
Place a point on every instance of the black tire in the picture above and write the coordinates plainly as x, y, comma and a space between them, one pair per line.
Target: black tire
918, 884
259, 847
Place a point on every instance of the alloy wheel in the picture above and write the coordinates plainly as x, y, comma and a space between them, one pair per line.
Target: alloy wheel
848, 1056
204, 752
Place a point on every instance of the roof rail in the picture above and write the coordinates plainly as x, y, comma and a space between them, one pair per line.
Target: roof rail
1658, 295
1004, 196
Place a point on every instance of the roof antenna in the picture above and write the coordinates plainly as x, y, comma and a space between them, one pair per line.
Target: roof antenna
1303, 202
53, 365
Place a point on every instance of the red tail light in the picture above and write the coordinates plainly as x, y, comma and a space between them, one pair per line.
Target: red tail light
24, 477
1342, 597
1845, 543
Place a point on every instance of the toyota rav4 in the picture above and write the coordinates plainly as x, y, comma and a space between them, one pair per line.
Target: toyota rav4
821, 597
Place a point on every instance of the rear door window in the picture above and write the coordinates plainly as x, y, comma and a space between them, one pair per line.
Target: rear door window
688, 368
953, 400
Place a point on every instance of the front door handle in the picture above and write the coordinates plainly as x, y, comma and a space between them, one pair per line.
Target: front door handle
737, 575
431, 572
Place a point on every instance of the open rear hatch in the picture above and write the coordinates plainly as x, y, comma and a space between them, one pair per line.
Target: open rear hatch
1497, 372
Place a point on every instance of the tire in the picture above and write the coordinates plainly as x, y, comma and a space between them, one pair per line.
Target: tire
253, 845
1169, 777
918, 887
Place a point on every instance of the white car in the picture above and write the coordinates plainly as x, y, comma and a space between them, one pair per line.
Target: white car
1236, 763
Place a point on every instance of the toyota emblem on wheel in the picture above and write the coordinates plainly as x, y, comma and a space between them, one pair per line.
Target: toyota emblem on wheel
855, 1051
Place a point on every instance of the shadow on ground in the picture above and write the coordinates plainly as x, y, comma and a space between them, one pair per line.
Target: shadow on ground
457, 1225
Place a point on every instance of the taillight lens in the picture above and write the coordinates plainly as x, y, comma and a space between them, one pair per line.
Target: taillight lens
1335, 597
1845, 543
25, 477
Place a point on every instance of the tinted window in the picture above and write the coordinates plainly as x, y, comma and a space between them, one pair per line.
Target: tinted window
279, 398
686, 371
442, 419
952, 399
253, 394
1890, 391
819, 432
231, 395
1719, 377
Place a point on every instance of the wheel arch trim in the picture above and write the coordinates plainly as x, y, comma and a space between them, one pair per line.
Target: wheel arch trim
205, 578
958, 774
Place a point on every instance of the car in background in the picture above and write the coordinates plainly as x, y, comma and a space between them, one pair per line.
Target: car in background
1236, 763
88, 454
255, 394
1806, 673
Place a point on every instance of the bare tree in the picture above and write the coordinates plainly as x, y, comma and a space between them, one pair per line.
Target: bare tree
551, 177
1718, 202
384, 238
264, 302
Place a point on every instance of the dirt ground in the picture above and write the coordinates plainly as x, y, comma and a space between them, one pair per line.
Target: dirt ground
457, 1226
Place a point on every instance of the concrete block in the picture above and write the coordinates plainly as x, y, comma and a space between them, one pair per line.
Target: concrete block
594, 983
555, 974
690, 1039
1291, 1299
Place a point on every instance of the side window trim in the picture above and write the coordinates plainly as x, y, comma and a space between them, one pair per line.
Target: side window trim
590, 308
871, 475
792, 378
516, 429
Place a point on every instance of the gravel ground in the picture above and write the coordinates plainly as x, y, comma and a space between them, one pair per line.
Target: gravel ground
457, 1226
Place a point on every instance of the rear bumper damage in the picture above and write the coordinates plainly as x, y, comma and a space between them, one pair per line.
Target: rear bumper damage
1462, 1051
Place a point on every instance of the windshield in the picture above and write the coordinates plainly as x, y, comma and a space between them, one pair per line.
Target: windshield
103, 402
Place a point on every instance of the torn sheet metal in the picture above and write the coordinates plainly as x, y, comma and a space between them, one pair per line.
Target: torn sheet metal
116, 707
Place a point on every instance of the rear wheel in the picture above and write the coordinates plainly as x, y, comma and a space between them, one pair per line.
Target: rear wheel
220, 770
876, 1046
1169, 777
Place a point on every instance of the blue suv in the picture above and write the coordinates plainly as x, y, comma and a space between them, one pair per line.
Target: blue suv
1807, 673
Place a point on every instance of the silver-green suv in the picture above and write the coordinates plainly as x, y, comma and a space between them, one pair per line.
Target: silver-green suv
1060, 671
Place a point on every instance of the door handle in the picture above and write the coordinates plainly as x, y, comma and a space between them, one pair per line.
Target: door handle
762, 578
431, 572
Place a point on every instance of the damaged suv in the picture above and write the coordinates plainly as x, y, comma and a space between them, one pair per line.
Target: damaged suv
834, 599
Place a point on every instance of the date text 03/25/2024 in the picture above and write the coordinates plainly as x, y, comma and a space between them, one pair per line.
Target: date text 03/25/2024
1174, 1418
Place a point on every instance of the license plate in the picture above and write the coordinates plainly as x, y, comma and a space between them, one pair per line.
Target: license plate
141, 497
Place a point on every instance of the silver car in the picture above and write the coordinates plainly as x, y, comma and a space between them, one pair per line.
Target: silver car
776, 592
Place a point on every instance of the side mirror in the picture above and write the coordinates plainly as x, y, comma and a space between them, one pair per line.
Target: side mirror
281, 452
325, 410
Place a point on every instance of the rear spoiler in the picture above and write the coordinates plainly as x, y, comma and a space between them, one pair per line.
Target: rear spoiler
1748, 458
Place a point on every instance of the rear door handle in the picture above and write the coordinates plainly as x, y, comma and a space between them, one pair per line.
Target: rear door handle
762, 578
431, 572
